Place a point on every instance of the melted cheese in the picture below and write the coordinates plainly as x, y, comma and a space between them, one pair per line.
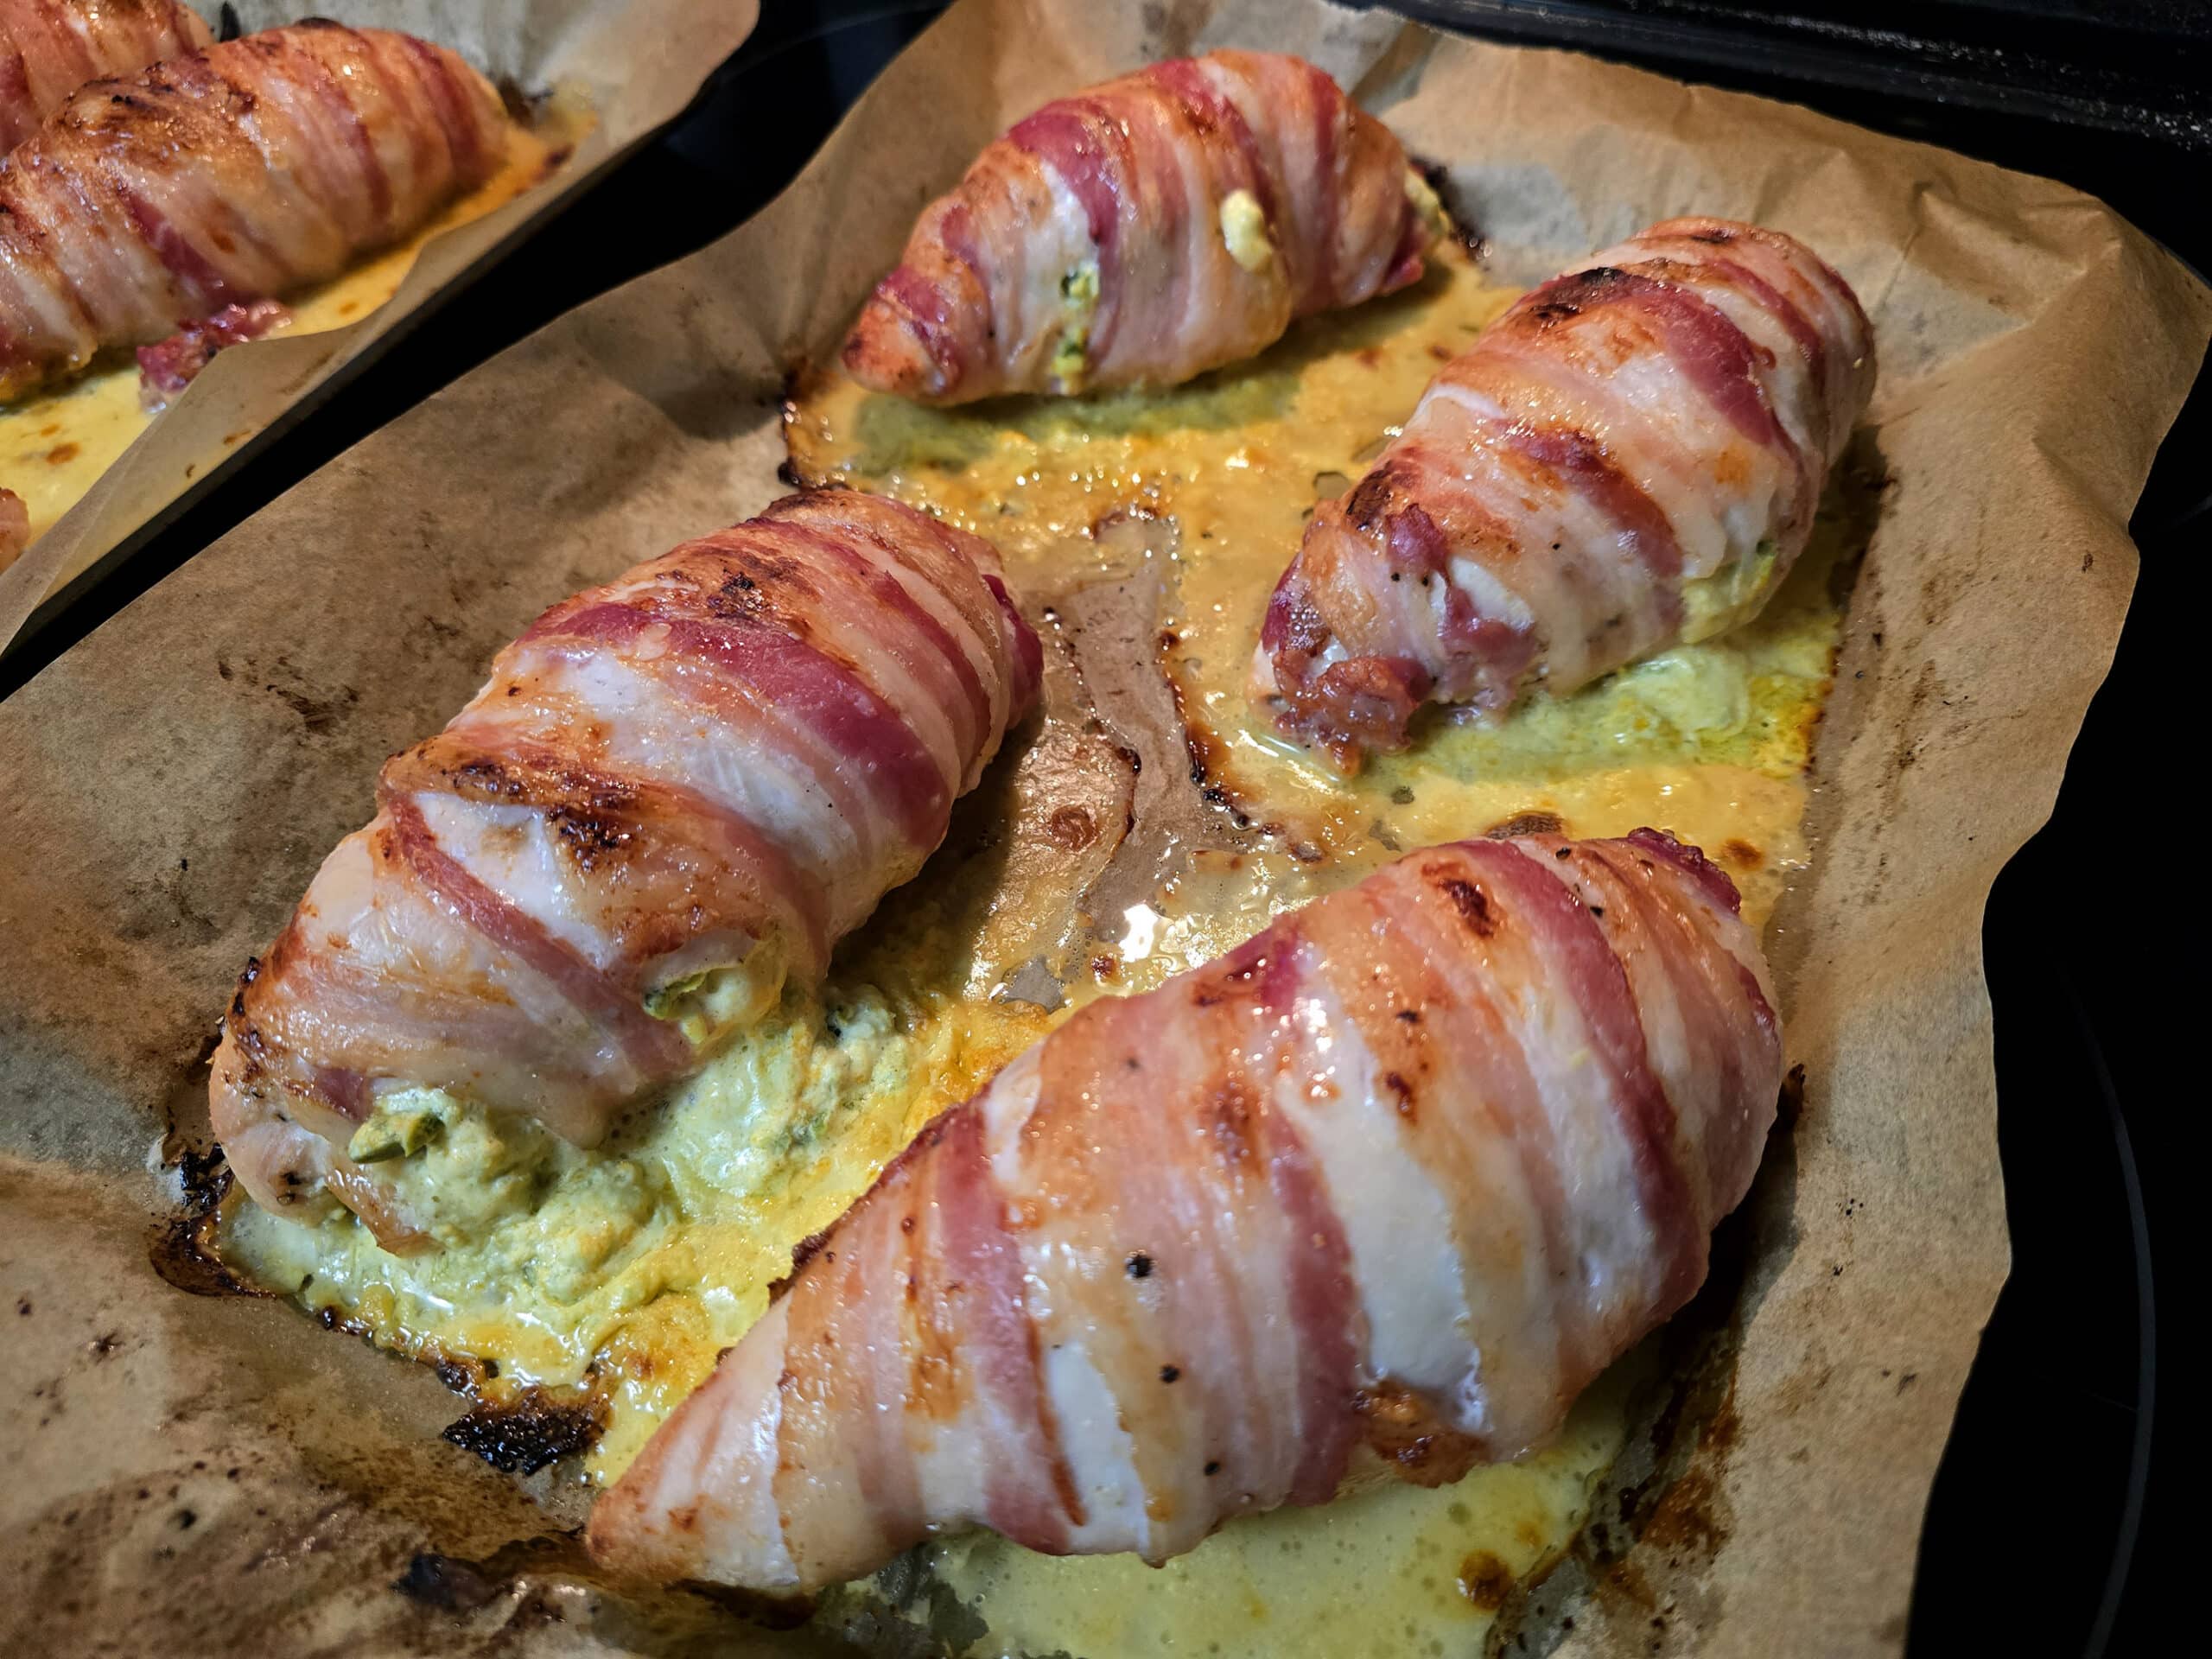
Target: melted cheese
1393, 1571
627, 1270
55, 444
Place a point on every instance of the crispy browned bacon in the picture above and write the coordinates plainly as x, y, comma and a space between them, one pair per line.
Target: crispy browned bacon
48, 48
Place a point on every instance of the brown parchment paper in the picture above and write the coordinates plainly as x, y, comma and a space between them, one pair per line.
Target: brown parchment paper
213, 1468
633, 65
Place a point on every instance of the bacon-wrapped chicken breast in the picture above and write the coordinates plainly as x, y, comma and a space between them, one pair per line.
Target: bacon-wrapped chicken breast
48, 48
225, 176
1404, 1173
1145, 231
1626, 460
674, 792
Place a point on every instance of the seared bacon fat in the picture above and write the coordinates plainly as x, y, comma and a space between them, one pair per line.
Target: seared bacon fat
674, 791
1628, 459
1404, 1173
48, 48
1146, 230
225, 176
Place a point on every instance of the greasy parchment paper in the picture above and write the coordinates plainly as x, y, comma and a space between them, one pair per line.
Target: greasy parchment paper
210, 1468
633, 65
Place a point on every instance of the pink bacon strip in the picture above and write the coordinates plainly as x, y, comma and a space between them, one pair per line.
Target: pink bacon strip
1397, 1177
1662, 416
653, 1048
167, 368
1128, 179
723, 748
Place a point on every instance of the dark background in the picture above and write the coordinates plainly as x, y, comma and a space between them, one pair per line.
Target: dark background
2057, 1513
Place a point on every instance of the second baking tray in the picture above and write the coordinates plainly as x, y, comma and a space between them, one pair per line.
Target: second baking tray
607, 73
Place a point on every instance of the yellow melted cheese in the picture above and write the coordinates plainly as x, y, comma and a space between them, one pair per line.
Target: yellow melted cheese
1392, 1572
628, 1268
55, 444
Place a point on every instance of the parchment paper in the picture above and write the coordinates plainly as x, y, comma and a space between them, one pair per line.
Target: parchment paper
634, 64
208, 1467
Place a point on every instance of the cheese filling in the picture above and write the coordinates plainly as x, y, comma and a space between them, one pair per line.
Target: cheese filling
1245, 231
1078, 308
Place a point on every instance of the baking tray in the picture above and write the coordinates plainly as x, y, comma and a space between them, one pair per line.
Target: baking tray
622, 68
2042, 1028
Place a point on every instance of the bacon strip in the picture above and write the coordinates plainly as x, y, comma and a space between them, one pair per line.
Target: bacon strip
714, 766
167, 368
225, 176
1119, 192
1399, 1176
1626, 441
48, 48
